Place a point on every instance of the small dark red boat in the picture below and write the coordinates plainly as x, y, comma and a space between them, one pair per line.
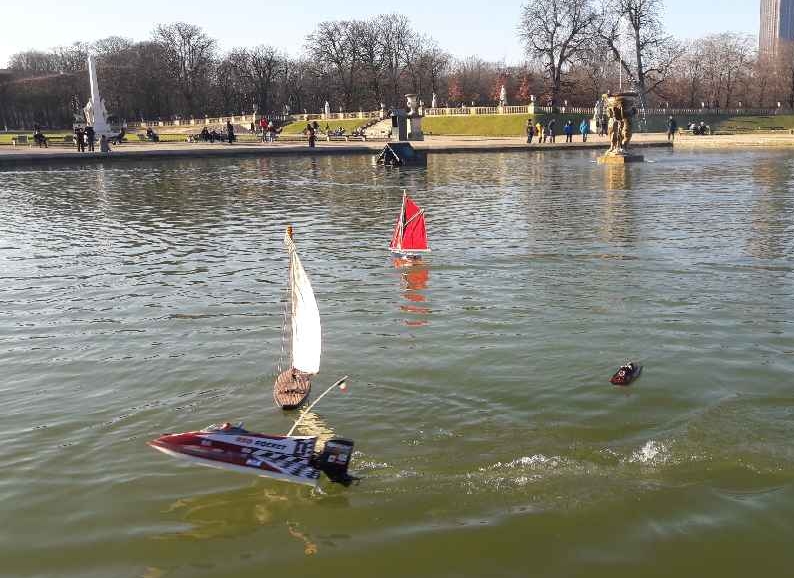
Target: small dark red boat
626, 373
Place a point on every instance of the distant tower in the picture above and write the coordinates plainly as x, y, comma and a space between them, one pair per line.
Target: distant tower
777, 23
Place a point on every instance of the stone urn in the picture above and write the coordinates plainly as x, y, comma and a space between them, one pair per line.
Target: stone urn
410, 100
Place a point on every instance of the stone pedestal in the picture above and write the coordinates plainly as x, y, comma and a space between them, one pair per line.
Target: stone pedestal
620, 159
415, 128
414, 120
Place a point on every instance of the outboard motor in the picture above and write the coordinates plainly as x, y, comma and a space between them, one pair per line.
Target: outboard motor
335, 459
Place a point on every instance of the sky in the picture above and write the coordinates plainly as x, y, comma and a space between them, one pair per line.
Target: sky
462, 27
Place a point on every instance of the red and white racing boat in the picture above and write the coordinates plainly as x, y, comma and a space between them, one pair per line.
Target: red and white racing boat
287, 458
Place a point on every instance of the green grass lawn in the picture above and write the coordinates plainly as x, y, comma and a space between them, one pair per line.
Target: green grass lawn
5, 138
492, 125
182, 137
753, 123
349, 124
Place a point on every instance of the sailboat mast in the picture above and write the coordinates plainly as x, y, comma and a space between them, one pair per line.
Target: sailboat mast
290, 296
402, 223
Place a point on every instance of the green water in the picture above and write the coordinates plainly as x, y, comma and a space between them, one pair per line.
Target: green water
141, 298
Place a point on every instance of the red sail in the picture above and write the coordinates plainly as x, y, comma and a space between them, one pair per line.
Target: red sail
414, 233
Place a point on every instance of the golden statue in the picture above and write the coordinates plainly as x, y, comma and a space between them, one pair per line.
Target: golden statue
620, 110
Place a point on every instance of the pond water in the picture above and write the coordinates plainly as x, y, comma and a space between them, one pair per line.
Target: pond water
141, 298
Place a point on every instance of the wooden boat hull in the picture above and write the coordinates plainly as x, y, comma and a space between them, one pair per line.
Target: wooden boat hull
291, 389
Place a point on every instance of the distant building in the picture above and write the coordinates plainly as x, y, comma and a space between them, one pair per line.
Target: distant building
777, 24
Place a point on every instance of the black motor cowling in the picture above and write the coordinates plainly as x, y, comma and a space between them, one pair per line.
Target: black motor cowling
335, 459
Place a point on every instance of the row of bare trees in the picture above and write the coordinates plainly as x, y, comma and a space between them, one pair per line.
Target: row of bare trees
586, 47
179, 71
566, 34
576, 49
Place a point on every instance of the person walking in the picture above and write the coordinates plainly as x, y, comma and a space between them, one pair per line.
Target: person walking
672, 127
539, 132
584, 129
263, 127
530, 131
568, 130
550, 130
90, 136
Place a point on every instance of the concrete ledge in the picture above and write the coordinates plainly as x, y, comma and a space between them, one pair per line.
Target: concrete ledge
159, 151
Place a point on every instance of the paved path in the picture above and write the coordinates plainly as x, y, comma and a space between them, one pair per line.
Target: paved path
433, 144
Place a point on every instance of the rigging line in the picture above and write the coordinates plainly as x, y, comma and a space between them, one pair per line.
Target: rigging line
308, 409
420, 213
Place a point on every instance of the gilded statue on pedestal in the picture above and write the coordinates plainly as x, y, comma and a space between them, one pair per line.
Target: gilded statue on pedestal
620, 111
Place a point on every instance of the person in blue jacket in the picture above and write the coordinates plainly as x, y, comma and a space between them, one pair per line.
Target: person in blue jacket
568, 130
584, 129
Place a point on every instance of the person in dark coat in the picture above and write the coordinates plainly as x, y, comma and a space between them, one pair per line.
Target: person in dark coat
311, 133
230, 131
79, 137
672, 127
90, 136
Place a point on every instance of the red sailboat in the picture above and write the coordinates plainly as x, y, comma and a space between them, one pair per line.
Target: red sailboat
410, 235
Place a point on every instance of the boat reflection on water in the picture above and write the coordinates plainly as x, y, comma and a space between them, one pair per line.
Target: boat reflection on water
414, 275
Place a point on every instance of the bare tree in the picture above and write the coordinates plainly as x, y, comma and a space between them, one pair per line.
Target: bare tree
33, 61
188, 55
368, 47
333, 45
428, 66
634, 34
72, 58
556, 31
396, 42
474, 79
265, 67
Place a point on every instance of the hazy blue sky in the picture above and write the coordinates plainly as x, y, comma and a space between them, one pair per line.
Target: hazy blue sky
463, 27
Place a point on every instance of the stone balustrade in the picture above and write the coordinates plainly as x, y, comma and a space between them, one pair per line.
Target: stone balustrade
530, 109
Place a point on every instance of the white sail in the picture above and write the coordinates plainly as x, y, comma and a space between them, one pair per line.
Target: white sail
306, 332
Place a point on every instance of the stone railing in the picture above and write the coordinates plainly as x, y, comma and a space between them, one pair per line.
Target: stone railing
244, 119
588, 111
530, 109
363, 114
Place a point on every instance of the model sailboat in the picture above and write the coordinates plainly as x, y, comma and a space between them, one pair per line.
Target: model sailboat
410, 234
292, 386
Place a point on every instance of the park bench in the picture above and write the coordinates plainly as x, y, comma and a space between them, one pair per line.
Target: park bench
61, 141
20, 139
292, 137
344, 137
